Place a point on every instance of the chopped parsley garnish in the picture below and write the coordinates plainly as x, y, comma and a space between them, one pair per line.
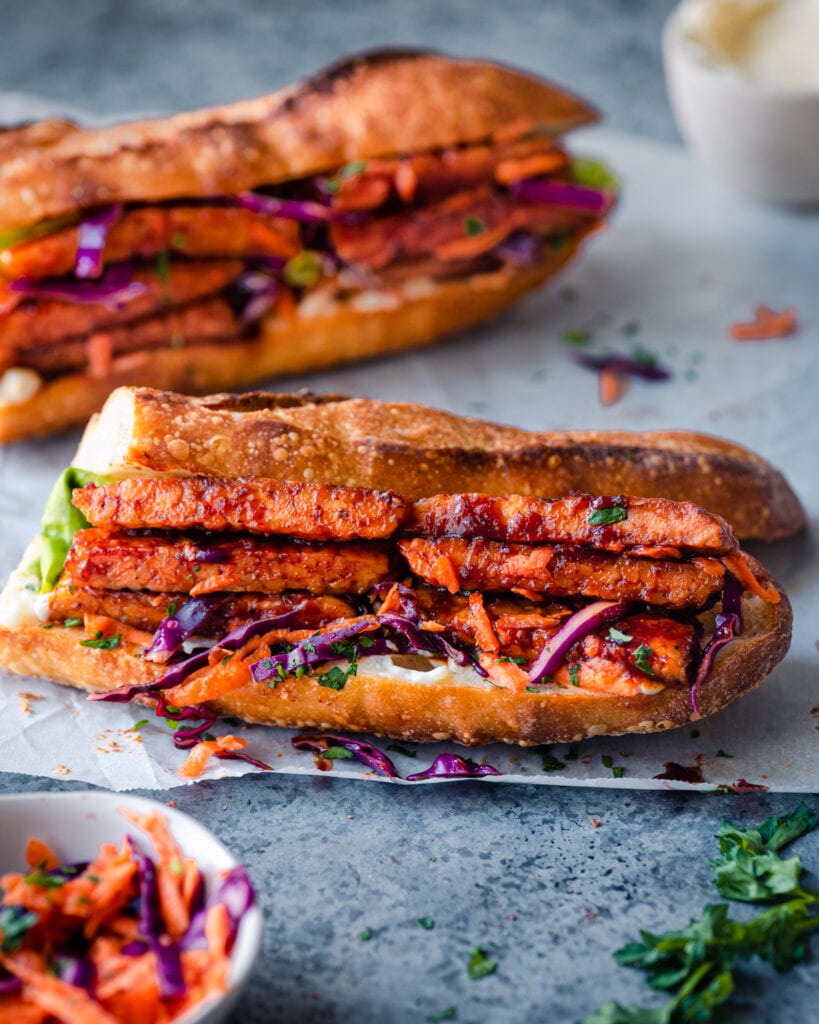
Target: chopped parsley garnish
641, 656
426, 923
72, 622
102, 643
226, 659
607, 516
366, 935
303, 270
696, 965
337, 754
550, 763
350, 170
398, 749
618, 771
722, 753
447, 1014
139, 725
576, 336
172, 608
574, 675
474, 226
480, 965
163, 272
631, 328
573, 751
179, 240
629, 455
336, 678
45, 881
533, 689
643, 356
618, 636
345, 649
513, 660
15, 921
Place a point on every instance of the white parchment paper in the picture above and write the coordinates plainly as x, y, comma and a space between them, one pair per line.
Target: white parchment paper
682, 259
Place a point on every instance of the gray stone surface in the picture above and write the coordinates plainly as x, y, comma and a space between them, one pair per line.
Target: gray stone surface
519, 871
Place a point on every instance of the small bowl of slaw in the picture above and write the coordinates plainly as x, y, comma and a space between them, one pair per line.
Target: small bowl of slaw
743, 80
120, 906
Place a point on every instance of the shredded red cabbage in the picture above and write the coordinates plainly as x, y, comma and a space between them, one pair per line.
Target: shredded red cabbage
186, 714
179, 672
520, 249
184, 739
240, 755
115, 288
93, 233
562, 193
76, 970
135, 948
627, 366
174, 630
9, 984
262, 291
727, 627
293, 209
235, 891
212, 556
152, 929
407, 598
312, 651
593, 616
366, 753
453, 766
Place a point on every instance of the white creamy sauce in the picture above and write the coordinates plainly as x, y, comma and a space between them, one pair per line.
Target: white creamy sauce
771, 42
21, 603
17, 385
441, 671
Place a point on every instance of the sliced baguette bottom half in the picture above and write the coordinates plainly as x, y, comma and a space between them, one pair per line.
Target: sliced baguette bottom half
470, 711
285, 346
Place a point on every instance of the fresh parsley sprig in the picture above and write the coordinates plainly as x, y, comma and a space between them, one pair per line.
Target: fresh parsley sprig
696, 964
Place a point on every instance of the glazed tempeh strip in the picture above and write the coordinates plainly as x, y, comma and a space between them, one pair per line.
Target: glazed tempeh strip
648, 522
258, 505
118, 561
562, 571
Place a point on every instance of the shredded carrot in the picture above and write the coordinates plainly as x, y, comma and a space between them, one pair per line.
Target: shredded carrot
217, 930
612, 385
40, 855
530, 595
515, 169
739, 566
766, 325
532, 621
406, 181
14, 1010
514, 129
392, 602
68, 1003
170, 871
505, 673
202, 753
100, 351
430, 626
445, 573
471, 245
229, 674
104, 625
485, 635
286, 304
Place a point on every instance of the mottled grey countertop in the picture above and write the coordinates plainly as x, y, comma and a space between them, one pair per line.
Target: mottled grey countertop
519, 871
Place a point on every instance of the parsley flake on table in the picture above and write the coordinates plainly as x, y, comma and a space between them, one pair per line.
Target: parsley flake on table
446, 1014
426, 923
396, 748
550, 763
366, 935
575, 336
696, 965
607, 516
617, 770
480, 965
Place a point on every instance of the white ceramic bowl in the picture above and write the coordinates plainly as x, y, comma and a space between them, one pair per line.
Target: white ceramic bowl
75, 824
763, 141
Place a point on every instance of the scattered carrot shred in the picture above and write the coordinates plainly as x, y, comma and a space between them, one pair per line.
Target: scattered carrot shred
40, 855
767, 325
202, 753
613, 386
100, 352
485, 635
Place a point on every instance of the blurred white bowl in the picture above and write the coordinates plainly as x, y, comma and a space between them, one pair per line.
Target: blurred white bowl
763, 140
76, 824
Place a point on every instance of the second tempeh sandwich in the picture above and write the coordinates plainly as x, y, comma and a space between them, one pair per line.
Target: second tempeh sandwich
391, 199
293, 600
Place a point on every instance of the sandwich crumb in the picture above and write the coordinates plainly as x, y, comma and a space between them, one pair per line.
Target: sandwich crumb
62, 770
595, 822
26, 699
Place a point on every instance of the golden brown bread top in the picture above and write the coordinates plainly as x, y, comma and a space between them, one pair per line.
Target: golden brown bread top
418, 451
370, 105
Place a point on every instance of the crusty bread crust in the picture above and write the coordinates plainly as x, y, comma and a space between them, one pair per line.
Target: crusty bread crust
418, 451
469, 713
371, 105
285, 345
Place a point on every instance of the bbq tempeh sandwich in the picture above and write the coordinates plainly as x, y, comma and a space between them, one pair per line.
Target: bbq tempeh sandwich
304, 596
393, 198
